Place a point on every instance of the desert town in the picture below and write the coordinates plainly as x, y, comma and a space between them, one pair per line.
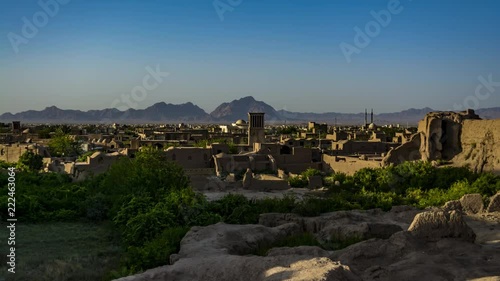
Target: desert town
220, 151
252, 155
260, 161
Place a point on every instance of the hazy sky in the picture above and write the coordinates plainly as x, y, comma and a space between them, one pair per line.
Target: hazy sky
286, 53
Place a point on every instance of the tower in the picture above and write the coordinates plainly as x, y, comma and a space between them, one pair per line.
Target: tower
366, 117
256, 132
16, 127
371, 117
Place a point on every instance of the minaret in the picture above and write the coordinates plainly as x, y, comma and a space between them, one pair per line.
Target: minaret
371, 119
366, 117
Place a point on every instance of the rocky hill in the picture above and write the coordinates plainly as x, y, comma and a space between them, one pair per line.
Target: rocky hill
238, 109
227, 112
159, 112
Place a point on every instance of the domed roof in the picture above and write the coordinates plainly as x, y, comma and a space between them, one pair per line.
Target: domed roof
372, 126
241, 122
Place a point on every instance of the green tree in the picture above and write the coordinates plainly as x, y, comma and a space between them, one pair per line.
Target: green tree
30, 161
61, 144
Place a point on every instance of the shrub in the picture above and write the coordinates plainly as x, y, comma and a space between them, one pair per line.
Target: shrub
97, 207
298, 181
145, 226
156, 252
310, 172
487, 184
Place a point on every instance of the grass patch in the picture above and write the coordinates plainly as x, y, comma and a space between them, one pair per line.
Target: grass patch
63, 251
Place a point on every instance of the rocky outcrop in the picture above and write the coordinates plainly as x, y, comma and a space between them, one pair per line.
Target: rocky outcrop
406, 257
436, 225
347, 225
222, 252
472, 203
494, 205
453, 205
437, 246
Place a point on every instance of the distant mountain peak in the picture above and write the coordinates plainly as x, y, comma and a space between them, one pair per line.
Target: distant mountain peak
53, 107
239, 108
247, 99
225, 112
161, 103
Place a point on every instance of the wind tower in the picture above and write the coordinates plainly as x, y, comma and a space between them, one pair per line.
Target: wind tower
256, 131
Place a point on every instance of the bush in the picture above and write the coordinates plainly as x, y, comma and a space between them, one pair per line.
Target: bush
298, 181
157, 251
487, 184
383, 200
97, 207
310, 172
145, 226
339, 176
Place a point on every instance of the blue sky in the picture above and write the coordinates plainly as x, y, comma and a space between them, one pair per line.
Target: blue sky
285, 53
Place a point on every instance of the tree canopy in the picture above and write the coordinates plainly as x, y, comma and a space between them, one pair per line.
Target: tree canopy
30, 161
61, 144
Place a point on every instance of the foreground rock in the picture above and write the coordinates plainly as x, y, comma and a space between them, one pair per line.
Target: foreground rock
437, 246
221, 252
436, 225
472, 203
347, 225
494, 205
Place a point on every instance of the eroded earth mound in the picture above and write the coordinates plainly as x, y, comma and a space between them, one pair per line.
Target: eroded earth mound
403, 244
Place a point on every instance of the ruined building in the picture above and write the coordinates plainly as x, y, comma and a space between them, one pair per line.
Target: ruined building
459, 137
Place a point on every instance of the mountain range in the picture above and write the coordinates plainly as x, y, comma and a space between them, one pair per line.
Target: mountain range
225, 113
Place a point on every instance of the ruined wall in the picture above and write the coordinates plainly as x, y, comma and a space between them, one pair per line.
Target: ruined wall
480, 142
349, 166
459, 137
409, 151
439, 136
190, 157
11, 153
